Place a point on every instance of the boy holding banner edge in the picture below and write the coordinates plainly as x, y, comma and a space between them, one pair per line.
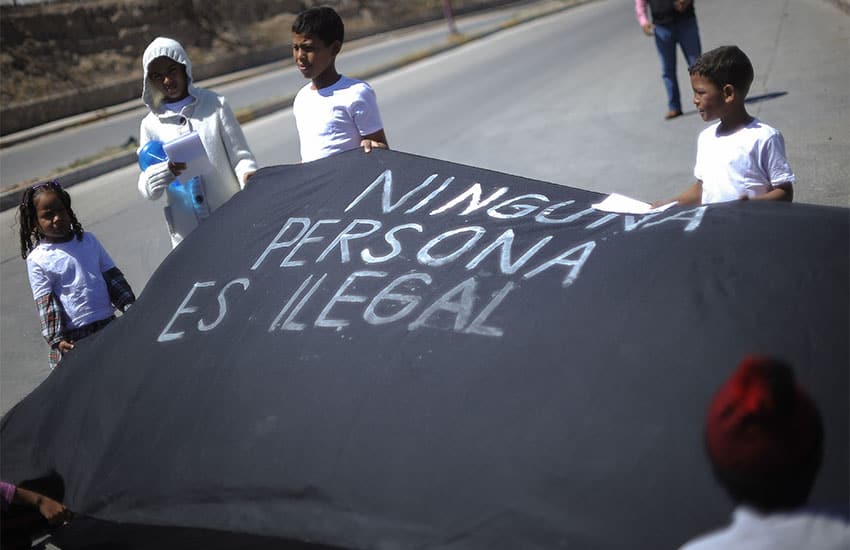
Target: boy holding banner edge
333, 113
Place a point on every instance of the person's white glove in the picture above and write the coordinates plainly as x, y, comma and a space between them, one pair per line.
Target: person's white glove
158, 177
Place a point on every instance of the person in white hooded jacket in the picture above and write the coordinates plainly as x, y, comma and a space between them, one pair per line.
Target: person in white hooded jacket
178, 107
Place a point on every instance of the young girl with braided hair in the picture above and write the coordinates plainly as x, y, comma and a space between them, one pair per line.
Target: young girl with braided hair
75, 284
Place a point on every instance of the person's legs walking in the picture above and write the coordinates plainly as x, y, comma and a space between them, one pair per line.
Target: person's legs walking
666, 45
688, 38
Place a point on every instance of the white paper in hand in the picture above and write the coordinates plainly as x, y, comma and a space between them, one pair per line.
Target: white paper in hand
621, 204
190, 150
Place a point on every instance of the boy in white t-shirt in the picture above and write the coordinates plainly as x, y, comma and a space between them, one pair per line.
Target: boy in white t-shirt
739, 157
333, 113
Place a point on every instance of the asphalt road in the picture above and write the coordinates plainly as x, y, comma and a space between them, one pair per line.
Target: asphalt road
575, 98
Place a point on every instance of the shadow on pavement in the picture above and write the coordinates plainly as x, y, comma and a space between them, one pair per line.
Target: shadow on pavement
764, 97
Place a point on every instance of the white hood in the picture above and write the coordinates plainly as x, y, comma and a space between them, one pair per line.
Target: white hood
163, 47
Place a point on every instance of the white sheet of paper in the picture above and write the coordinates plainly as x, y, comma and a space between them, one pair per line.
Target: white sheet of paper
190, 150
621, 204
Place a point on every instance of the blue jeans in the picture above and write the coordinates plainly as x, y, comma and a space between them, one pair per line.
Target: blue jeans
685, 33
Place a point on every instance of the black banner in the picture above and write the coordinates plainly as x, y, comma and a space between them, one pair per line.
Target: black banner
390, 351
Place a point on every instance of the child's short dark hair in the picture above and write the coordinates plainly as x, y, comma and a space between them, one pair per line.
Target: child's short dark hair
725, 65
322, 22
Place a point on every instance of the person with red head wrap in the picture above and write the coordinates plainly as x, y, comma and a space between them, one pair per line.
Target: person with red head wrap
764, 438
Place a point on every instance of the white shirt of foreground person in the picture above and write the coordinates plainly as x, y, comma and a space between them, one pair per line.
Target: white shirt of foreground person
749, 161
751, 530
335, 119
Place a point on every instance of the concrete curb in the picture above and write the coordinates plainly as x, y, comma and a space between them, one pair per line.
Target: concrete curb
86, 118
10, 198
